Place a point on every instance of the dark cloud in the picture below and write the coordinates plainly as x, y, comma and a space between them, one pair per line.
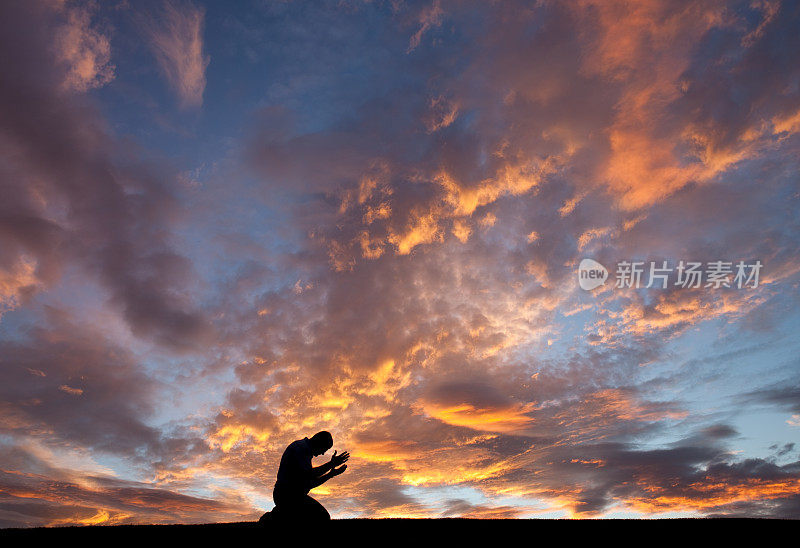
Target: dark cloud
464, 509
56, 378
31, 500
77, 196
65, 383
785, 396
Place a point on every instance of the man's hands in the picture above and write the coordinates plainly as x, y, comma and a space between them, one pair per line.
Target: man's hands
337, 471
332, 468
336, 460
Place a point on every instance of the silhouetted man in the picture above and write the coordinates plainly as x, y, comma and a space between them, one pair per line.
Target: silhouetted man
296, 477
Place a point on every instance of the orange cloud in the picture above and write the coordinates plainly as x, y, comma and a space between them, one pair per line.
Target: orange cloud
15, 281
511, 419
708, 495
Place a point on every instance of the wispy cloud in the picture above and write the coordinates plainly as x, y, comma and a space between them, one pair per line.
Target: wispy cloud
175, 35
429, 17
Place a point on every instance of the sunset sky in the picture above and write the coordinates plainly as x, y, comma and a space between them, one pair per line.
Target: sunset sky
225, 226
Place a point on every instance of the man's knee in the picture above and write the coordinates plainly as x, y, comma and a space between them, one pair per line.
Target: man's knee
316, 511
300, 510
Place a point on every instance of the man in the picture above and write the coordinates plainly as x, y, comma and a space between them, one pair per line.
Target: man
296, 477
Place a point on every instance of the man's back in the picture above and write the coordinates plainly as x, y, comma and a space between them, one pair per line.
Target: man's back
294, 472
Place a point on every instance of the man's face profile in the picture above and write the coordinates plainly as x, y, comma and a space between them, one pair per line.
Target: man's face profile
321, 442
318, 448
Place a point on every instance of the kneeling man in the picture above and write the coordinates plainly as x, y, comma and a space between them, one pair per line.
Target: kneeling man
296, 477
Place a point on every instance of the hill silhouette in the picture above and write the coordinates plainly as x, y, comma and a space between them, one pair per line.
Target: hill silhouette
455, 529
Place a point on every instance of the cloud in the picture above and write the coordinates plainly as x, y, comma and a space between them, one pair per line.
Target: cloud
175, 36
394, 262
37, 500
786, 396
418, 333
78, 375
429, 17
476, 405
464, 509
19, 280
78, 197
84, 50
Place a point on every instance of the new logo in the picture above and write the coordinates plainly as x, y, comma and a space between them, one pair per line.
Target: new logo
591, 274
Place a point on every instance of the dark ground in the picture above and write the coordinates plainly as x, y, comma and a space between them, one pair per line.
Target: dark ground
442, 531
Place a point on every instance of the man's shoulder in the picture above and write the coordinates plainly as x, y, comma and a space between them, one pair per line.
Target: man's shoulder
298, 446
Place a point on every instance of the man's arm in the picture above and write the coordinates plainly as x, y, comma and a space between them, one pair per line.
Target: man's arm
318, 471
335, 461
316, 482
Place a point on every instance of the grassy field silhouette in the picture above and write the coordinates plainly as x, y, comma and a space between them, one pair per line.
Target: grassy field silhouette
454, 529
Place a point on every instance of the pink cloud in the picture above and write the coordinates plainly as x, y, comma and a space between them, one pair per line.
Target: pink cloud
176, 38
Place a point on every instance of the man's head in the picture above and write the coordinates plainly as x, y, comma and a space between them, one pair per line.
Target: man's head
321, 442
